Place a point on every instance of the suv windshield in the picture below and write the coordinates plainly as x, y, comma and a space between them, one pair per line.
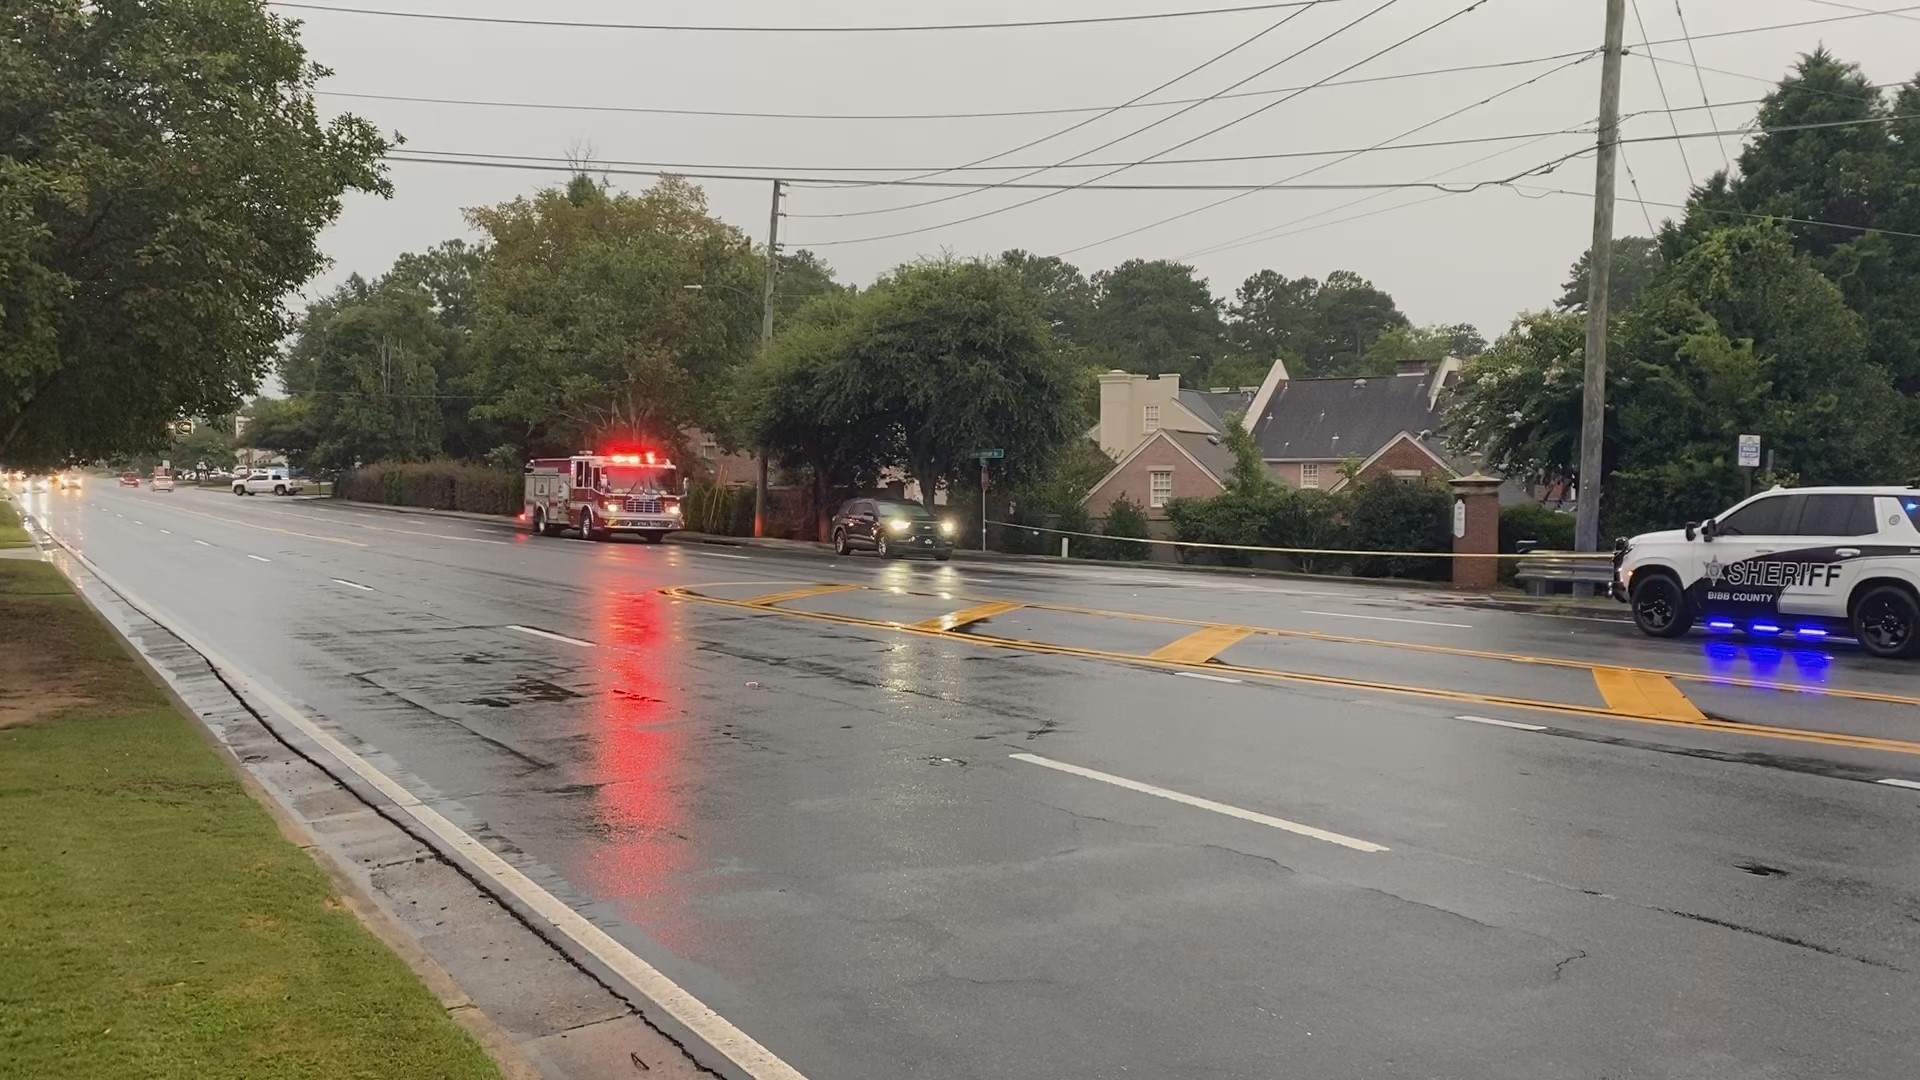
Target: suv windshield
911, 511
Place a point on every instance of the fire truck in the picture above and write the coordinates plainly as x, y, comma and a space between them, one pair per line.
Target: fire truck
598, 495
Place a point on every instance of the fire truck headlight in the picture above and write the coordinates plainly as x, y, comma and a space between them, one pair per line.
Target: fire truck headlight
897, 524
674, 510
613, 508
946, 528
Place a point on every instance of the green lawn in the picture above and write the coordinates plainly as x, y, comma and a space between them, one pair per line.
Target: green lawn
153, 921
11, 534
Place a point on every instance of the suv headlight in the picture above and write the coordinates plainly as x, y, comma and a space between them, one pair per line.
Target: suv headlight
897, 524
946, 528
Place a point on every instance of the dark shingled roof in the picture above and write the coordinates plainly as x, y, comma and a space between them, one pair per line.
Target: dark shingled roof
1213, 407
1327, 419
1217, 459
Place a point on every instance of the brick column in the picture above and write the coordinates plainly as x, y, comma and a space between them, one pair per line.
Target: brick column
1475, 527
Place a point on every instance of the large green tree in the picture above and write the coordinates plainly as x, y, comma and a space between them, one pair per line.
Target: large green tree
1155, 316
1322, 328
585, 328
1637, 260
164, 177
1065, 295
367, 358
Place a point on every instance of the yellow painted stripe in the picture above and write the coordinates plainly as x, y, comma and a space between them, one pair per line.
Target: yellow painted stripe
796, 594
1644, 693
1202, 645
954, 620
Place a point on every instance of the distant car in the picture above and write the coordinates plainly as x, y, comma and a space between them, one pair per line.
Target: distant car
39, 483
128, 479
162, 480
70, 480
261, 481
891, 528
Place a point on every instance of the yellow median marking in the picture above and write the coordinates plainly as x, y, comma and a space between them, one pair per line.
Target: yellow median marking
1825, 738
955, 620
795, 594
268, 528
1202, 645
1645, 693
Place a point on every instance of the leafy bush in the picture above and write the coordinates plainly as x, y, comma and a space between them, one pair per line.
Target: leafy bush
1310, 519
1394, 515
439, 485
1531, 521
722, 511
1222, 519
1126, 521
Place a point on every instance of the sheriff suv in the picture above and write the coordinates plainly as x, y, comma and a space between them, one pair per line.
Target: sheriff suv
1802, 563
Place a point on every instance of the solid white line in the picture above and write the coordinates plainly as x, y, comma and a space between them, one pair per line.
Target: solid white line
353, 584
755, 1060
554, 636
1900, 783
1383, 618
259, 558
1209, 678
166, 532
1204, 804
1501, 723
720, 555
203, 543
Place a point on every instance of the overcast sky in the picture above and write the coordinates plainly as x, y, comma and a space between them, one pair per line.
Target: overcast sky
1477, 257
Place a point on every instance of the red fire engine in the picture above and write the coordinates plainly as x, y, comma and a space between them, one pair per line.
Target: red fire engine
602, 494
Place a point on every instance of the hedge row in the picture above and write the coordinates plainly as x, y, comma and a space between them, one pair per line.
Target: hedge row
437, 485
1383, 515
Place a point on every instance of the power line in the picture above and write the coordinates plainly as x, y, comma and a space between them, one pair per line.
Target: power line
1588, 195
1210, 61
1660, 82
1635, 182
1701, 80
1330, 164
1222, 127
722, 29
1855, 7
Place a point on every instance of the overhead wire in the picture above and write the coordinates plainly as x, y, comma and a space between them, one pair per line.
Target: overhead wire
1864, 229
1693, 57
1856, 7
1661, 83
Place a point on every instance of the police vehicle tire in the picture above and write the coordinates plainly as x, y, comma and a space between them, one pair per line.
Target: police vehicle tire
882, 548
1660, 607
840, 543
1886, 620
945, 556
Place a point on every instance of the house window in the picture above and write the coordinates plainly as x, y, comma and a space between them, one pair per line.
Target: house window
1310, 475
709, 448
1152, 418
1159, 487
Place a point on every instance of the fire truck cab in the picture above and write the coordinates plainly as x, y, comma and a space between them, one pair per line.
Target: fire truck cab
598, 495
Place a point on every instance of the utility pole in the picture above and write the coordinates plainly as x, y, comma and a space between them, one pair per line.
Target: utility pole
1593, 404
766, 339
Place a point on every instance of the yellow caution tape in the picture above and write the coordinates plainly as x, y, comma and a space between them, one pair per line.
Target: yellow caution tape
1548, 555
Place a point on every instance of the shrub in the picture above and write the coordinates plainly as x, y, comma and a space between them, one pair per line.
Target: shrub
722, 511
1531, 521
1395, 515
1310, 519
1222, 519
1126, 520
439, 485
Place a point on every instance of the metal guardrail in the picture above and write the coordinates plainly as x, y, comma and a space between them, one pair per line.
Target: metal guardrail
1540, 570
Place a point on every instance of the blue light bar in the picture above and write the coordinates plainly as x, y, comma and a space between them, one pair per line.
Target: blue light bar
1719, 624
1764, 628
1811, 631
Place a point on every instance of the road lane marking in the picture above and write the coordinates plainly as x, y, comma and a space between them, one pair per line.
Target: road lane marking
271, 529
955, 620
722, 555
1501, 723
1202, 645
551, 635
1209, 678
203, 543
796, 594
1627, 690
139, 523
1915, 785
753, 1059
166, 532
1384, 618
1205, 804
259, 558
1765, 731
352, 584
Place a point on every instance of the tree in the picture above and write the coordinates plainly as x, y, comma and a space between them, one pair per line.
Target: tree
1428, 343
282, 425
803, 277
1519, 401
584, 327
1636, 261
164, 177
1353, 315
370, 356
1065, 297
1248, 478
1155, 317
1321, 328
207, 444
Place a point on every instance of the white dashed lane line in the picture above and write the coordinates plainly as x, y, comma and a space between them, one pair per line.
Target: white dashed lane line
353, 584
203, 543
166, 532
259, 558
1209, 678
1914, 784
551, 636
1501, 723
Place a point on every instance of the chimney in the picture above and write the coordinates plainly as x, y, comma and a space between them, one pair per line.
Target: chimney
1411, 368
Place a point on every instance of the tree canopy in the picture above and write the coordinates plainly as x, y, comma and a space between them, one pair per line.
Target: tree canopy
1319, 327
164, 177
1636, 261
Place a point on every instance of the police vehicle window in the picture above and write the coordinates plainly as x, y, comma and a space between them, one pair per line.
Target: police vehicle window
1838, 515
1766, 517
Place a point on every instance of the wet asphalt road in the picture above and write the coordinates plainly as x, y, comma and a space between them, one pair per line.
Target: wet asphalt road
817, 825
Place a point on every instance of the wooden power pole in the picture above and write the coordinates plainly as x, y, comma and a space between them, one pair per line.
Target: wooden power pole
766, 339
1593, 405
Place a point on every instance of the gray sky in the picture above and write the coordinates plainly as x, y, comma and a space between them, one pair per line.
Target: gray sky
1477, 257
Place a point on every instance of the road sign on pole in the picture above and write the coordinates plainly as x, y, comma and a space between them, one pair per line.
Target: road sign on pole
1749, 451
985, 455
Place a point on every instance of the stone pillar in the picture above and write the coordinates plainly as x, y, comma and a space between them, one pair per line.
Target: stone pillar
1476, 531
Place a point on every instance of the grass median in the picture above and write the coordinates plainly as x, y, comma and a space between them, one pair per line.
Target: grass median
11, 534
153, 920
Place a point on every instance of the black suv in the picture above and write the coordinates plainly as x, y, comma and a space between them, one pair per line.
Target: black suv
891, 527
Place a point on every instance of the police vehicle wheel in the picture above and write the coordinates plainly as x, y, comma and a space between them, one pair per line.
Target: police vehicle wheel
840, 543
882, 548
1887, 621
1660, 607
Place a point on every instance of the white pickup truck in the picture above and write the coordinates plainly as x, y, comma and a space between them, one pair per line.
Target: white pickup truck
261, 481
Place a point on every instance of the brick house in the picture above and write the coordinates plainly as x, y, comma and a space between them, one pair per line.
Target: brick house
1166, 465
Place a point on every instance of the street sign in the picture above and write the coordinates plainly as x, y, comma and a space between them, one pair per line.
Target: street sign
1749, 451
182, 427
1459, 519
985, 455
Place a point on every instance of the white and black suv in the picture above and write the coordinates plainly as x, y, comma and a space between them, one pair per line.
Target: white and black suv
1803, 562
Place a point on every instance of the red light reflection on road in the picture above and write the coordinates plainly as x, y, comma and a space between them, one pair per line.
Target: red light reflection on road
639, 758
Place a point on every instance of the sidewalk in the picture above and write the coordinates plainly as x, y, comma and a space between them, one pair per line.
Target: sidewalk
154, 922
